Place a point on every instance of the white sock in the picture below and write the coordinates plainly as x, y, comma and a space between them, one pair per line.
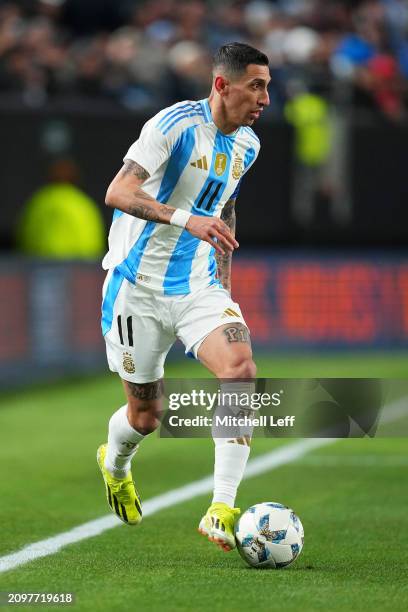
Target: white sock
231, 456
230, 461
123, 443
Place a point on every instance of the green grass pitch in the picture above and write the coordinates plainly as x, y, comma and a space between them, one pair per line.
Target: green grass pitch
350, 495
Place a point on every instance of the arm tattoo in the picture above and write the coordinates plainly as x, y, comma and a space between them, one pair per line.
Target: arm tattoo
146, 391
237, 333
142, 205
131, 167
228, 215
224, 261
146, 212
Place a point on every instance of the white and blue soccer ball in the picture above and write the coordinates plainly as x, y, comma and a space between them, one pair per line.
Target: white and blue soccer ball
269, 535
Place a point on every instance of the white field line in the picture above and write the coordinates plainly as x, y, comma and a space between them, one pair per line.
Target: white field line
258, 465
394, 411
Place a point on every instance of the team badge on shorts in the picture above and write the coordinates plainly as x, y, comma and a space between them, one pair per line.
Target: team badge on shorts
128, 363
220, 163
237, 167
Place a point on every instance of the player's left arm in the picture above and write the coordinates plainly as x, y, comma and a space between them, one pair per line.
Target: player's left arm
224, 261
228, 216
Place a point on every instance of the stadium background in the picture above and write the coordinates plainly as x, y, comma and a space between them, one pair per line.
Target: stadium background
322, 221
321, 275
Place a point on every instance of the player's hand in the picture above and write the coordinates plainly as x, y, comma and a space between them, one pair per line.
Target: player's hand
211, 228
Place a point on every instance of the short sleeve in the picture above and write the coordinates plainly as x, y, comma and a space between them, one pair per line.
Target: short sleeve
151, 149
251, 155
236, 190
250, 158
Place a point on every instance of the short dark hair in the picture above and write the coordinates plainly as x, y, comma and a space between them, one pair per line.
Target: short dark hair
235, 57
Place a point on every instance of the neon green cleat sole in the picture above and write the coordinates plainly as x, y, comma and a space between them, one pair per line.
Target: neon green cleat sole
121, 494
218, 525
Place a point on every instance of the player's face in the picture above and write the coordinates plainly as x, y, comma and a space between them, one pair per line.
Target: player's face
248, 95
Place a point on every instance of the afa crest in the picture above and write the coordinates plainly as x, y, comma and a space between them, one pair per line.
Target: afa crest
128, 363
237, 167
220, 163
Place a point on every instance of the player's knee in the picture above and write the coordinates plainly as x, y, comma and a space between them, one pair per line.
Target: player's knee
144, 405
239, 368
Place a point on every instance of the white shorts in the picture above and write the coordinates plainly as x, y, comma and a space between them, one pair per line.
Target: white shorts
140, 326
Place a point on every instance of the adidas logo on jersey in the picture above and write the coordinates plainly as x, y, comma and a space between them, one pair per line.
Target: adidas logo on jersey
228, 312
200, 163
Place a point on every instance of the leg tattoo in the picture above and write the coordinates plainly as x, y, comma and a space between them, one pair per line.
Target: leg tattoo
237, 333
146, 391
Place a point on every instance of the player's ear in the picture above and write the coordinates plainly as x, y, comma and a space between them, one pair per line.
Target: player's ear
221, 84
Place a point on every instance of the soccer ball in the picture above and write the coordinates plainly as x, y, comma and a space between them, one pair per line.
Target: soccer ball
269, 535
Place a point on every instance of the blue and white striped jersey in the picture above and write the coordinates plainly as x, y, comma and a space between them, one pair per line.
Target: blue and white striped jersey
192, 166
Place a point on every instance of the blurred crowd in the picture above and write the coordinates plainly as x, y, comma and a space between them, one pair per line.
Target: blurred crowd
146, 54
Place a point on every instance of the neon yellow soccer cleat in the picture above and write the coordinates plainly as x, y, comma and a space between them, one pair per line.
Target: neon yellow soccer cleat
218, 525
121, 493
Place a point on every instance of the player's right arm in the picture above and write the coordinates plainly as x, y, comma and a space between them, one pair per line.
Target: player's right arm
126, 194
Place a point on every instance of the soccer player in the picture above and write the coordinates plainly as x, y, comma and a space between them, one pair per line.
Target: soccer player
169, 271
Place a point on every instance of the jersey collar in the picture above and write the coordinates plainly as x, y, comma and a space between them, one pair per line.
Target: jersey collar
206, 110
